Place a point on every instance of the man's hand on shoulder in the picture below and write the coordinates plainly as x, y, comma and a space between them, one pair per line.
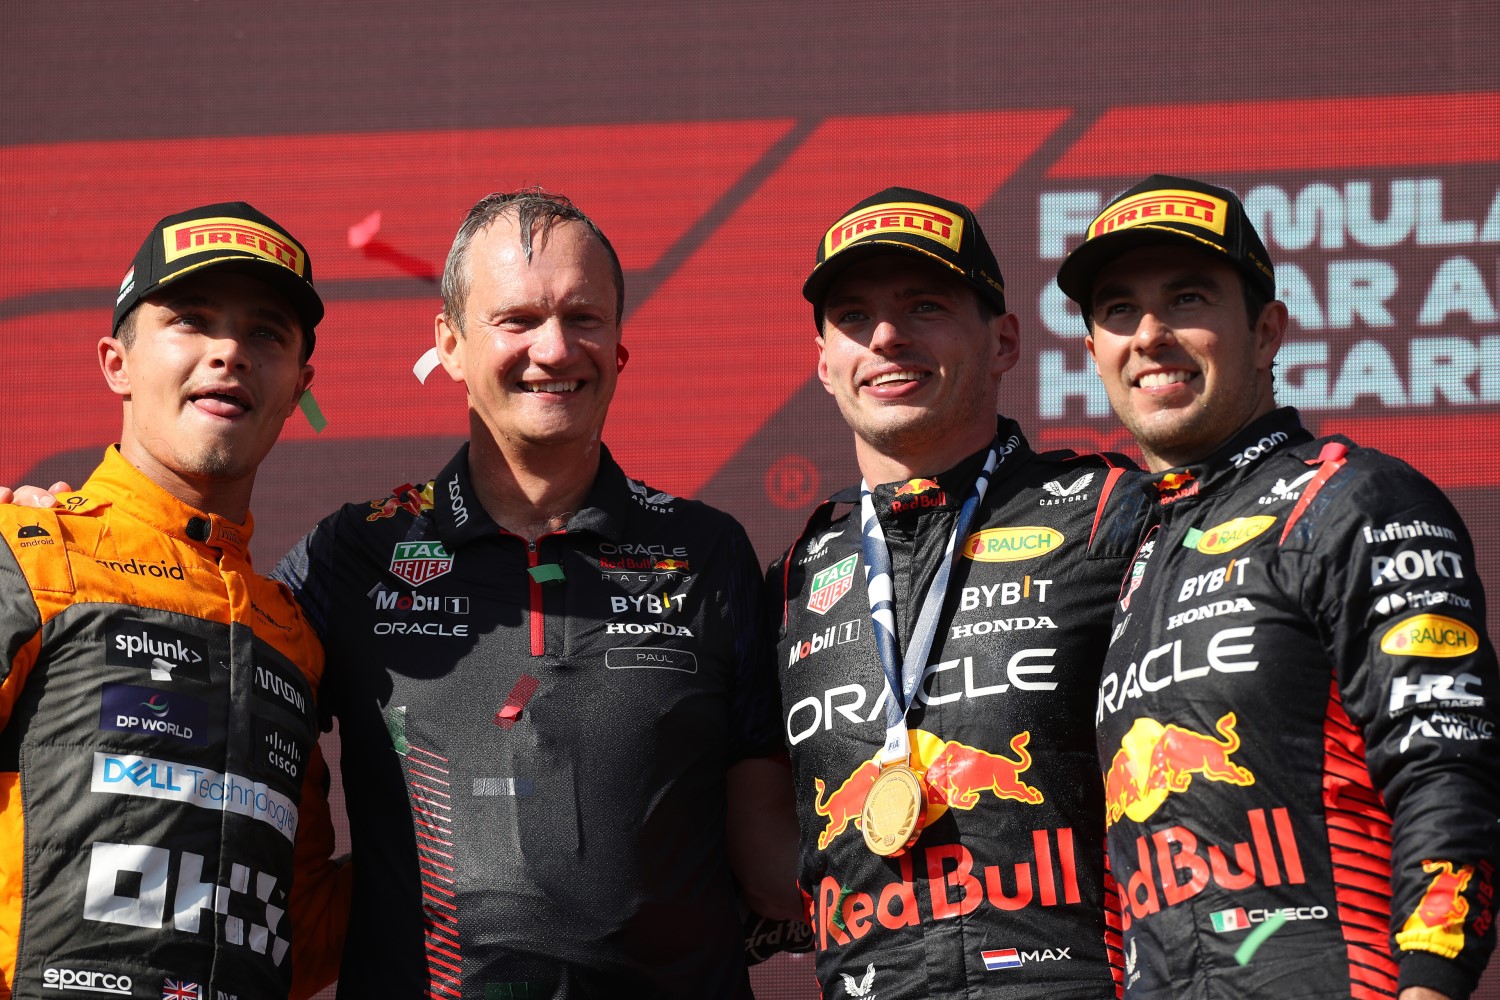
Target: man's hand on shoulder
34, 496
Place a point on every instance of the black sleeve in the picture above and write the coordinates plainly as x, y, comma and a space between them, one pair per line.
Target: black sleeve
1390, 578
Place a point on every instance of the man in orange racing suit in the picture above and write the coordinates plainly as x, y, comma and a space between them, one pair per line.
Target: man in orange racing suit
1002, 893
1297, 713
164, 829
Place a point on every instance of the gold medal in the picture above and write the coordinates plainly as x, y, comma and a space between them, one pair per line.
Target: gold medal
894, 811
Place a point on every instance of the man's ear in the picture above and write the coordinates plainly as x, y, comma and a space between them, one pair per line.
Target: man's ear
822, 363
303, 382
115, 365
1006, 330
450, 346
1270, 331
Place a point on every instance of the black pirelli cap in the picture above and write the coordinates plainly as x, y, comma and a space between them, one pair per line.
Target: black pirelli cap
227, 234
1169, 210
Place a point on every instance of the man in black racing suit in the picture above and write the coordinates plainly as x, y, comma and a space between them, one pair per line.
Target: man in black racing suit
1002, 893
1296, 718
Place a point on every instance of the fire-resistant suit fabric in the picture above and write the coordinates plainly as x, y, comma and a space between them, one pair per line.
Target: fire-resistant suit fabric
1002, 895
536, 737
1296, 722
164, 826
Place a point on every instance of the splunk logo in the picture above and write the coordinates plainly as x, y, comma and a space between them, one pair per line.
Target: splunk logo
167, 653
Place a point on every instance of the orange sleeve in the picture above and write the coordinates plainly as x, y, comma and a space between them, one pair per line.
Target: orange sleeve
321, 888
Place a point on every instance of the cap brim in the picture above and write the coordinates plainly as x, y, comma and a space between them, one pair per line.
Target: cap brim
815, 288
303, 297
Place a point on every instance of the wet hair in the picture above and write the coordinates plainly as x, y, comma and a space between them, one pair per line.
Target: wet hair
536, 212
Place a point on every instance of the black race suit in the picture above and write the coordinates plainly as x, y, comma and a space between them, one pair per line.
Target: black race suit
1002, 895
535, 739
1297, 729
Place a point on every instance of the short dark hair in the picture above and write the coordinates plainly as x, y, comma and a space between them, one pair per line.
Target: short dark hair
534, 209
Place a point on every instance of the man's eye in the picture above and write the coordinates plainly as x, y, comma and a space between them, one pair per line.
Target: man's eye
851, 316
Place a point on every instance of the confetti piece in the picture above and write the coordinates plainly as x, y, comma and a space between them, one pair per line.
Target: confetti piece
361, 233
1190, 540
1256, 938
425, 364
546, 573
311, 411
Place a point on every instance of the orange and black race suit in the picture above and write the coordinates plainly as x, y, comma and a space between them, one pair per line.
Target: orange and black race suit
1003, 893
1297, 726
163, 820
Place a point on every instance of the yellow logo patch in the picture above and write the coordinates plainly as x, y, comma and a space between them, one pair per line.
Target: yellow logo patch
1011, 544
1232, 534
1430, 635
1192, 208
895, 217
235, 236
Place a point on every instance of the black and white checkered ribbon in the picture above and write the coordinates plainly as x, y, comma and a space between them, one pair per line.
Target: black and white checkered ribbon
904, 676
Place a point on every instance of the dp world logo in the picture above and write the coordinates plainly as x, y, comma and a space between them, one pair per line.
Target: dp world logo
420, 562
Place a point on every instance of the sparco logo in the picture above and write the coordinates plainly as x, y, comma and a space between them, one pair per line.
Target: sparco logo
456, 503
1264, 446
81, 981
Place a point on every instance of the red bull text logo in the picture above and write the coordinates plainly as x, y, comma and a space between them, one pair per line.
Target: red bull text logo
956, 774
236, 235
1155, 760
1182, 207
1430, 635
1184, 867
1437, 924
953, 887
405, 497
895, 217
923, 494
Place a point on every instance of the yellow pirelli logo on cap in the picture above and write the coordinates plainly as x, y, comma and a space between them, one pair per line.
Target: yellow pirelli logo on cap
237, 235
896, 217
1191, 208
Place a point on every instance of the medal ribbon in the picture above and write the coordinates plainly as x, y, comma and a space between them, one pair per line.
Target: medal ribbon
903, 679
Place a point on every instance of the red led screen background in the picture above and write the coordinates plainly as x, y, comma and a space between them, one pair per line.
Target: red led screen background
714, 144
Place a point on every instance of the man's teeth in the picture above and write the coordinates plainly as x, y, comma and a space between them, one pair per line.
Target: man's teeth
1162, 378
568, 386
890, 377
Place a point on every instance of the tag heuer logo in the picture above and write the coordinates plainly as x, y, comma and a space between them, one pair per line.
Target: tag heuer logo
420, 562
831, 584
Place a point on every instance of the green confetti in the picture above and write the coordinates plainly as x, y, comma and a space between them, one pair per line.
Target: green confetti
1256, 938
546, 572
1190, 540
311, 412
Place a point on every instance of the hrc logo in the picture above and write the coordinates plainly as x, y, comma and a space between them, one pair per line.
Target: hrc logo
1189, 207
239, 235
895, 217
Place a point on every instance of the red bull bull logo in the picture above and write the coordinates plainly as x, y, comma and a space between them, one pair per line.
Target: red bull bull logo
913, 487
956, 774
1155, 760
1175, 486
671, 565
1184, 866
1437, 924
953, 883
404, 497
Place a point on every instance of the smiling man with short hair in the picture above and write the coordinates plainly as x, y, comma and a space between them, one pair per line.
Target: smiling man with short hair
1296, 717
